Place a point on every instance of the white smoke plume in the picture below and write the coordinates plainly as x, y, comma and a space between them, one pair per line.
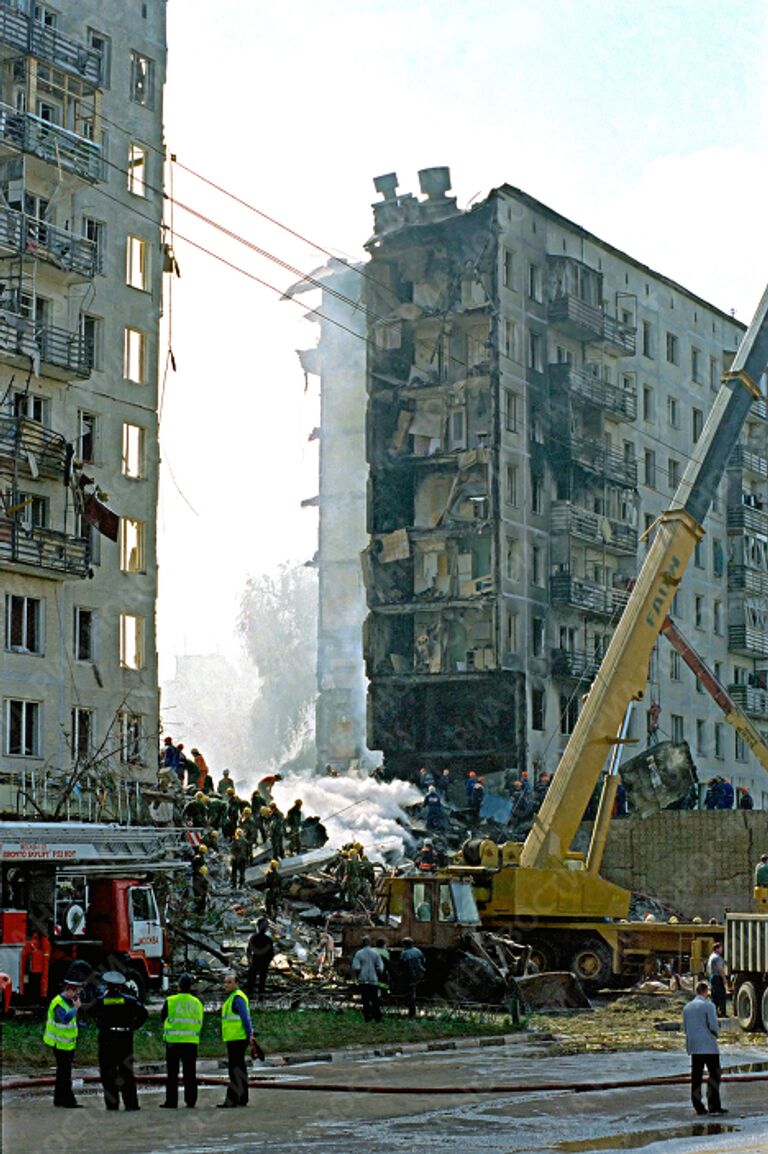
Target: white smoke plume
354, 808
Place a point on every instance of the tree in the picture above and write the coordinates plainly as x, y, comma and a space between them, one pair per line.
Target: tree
278, 624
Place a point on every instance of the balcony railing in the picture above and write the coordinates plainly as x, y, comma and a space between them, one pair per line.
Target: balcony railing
52, 143
590, 527
588, 323
575, 663
611, 398
596, 458
744, 458
750, 699
46, 549
745, 579
20, 32
759, 408
63, 353
747, 517
748, 641
37, 451
26, 234
576, 593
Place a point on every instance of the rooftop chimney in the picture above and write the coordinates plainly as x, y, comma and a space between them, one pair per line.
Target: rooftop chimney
386, 185
435, 182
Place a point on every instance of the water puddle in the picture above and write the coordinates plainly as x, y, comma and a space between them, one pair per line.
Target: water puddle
645, 1137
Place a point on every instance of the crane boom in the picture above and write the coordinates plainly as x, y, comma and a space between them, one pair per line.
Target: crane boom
622, 675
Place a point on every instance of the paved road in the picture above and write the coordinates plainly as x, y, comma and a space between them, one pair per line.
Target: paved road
651, 1119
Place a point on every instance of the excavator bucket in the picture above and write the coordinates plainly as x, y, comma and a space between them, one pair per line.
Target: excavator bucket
553, 990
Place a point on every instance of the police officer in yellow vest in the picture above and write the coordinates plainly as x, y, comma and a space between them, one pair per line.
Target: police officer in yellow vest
61, 1035
182, 1017
236, 1033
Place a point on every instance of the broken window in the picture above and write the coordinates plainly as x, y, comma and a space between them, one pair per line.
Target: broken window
534, 282
512, 564
137, 263
86, 436
508, 276
135, 356
90, 333
535, 351
22, 728
569, 713
130, 729
84, 631
513, 411
132, 545
538, 635
133, 451
131, 641
142, 80
137, 169
537, 709
23, 624
510, 337
82, 734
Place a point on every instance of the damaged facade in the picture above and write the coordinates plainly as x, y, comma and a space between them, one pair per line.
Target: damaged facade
533, 397
81, 171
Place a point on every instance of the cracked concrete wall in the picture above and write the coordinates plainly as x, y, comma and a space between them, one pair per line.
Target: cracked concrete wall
700, 862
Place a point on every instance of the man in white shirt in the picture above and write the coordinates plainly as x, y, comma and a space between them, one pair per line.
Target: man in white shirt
701, 1030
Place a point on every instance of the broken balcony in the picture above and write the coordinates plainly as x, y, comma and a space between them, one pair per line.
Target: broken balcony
587, 323
748, 640
568, 591
595, 457
614, 399
593, 528
31, 450
751, 462
747, 579
34, 238
578, 664
51, 143
57, 352
750, 699
23, 34
54, 552
747, 517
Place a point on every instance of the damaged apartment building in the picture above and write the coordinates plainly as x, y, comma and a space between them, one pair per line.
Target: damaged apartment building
534, 395
81, 262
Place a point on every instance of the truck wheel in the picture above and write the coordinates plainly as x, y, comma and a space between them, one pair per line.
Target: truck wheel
591, 963
136, 979
764, 1008
746, 1005
542, 955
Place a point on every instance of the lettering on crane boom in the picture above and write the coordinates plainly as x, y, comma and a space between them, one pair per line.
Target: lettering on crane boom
669, 581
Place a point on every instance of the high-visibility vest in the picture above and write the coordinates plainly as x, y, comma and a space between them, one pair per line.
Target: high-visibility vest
62, 1036
185, 1019
232, 1028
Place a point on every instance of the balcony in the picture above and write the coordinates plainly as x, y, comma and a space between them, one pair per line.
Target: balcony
52, 351
46, 549
37, 451
750, 699
588, 323
759, 409
20, 32
25, 234
744, 579
615, 536
604, 462
610, 398
575, 663
747, 641
575, 593
744, 458
748, 518
50, 142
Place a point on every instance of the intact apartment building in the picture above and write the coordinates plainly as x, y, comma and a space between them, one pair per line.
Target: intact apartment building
81, 261
533, 397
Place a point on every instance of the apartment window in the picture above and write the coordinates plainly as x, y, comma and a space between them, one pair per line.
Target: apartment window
537, 494
509, 269
84, 640
698, 611
700, 735
130, 728
87, 428
717, 669
672, 349
677, 604
132, 545
569, 713
696, 365
137, 169
538, 637
23, 624
739, 748
133, 451
512, 411
697, 424
648, 520
719, 741
649, 467
537, 709
698, 555
717, 616
512, 555
137, 263
537, 567
673, 471
131, 641
534, 282
535, 351
699, 685
649, 408
513, 635
95, 231
740, 675
142, 80
90, 334
32, 511
513, 474
22, 728
82, 734
674, 665
673, 412
718, 557
647, 339
135, 356
102, 44
511, 342
678, 728
42, 14
714, 373
32, 407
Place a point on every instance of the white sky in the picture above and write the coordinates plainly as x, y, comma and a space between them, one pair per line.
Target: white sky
645, 122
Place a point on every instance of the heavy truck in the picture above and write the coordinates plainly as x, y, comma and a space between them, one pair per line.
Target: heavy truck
80, 894
540, 892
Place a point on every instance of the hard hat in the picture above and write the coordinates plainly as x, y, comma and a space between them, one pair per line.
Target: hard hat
264, 811
194, 751
274, 864
204, 871
202, 848
230, 791
298, 801
199, 795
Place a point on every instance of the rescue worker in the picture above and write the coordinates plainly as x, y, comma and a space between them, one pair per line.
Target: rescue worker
233, 813
204, 780
414, 969
273, 889
469, 785
61, 1035
716, 974
382, 950
476, 799
540, 789
225, 783
196, 811
761, 872
261, 951
746, 800
200, 889
236, 1032
352, 878
428, 859
443, 784
117, 1015
368, 968
182, 1018
293, 826
433, 810
240, 853
276, 831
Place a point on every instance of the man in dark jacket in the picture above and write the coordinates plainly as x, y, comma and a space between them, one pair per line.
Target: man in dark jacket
261, 951
117, 1015
414, 969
